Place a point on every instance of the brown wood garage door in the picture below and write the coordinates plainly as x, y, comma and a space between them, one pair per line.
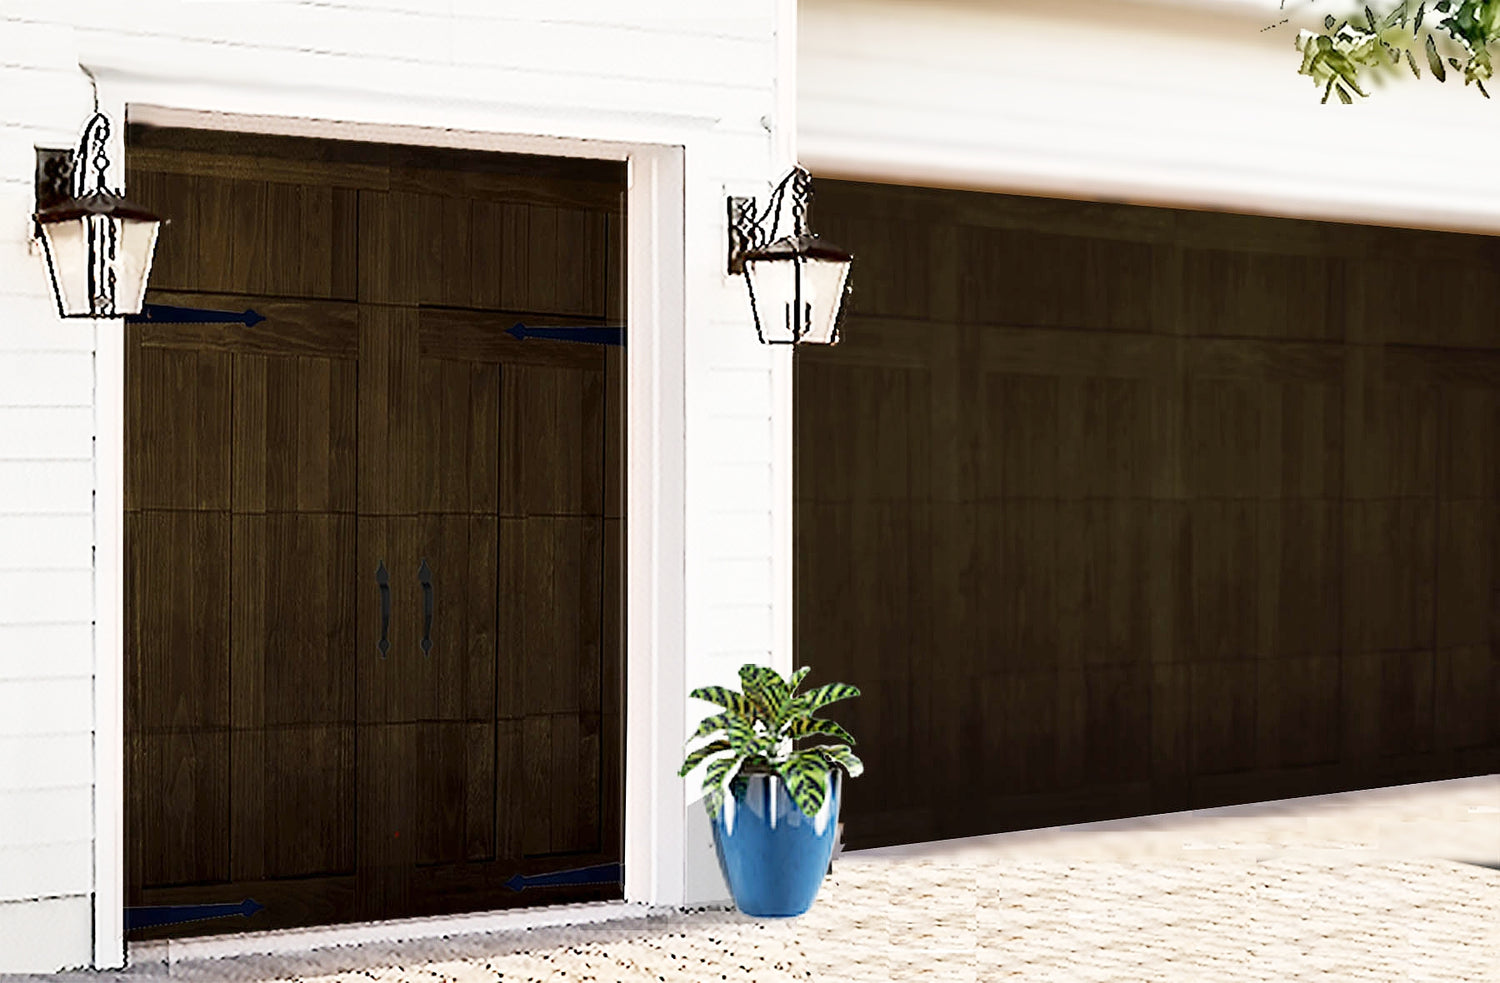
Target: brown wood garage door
1114, 510
372, 565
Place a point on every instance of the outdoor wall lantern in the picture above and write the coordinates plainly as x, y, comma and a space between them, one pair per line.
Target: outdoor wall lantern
797, 282
98, 244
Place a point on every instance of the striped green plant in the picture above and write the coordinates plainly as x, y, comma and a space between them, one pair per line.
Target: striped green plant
756, 728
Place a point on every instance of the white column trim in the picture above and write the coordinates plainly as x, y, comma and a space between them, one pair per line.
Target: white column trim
783, 434
109, 622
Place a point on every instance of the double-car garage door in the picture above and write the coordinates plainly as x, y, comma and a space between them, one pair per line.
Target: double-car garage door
1119, 510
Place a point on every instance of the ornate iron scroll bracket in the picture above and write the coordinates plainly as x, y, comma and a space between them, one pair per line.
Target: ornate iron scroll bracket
749, 230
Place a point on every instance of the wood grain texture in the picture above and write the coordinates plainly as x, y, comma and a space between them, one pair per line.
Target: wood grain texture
1110, 508
379, 414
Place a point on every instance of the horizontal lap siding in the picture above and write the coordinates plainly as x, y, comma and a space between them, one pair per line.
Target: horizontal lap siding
570, 69
1155, 102
46, 540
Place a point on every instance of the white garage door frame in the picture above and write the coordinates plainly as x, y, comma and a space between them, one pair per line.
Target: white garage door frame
655, 533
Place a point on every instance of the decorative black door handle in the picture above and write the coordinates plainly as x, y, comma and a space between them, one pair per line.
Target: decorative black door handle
383, 581
424, 574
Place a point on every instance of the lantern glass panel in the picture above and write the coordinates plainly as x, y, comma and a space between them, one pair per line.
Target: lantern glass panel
137, 243
67, 246
823, 294
773, 286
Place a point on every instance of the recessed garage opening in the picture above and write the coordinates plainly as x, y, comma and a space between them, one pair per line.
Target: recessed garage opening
1117, 510
374, 571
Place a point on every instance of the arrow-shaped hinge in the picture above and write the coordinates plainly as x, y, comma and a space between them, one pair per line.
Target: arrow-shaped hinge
590, 335
167, 314
150, 916
601, 874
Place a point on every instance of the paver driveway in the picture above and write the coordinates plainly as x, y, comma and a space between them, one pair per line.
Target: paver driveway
1382, 885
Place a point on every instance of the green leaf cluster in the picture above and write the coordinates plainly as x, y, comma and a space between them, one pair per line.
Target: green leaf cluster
1441, 34
757, 729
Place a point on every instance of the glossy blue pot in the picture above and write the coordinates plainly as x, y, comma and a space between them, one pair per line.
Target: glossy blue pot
772, 854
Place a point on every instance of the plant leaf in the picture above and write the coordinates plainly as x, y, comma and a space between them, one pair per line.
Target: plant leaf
1433, 61
713, 725
808, 727
841, 755
713, 747
713, 782
725, 697
764, 686
742, 736
816, 699
806, 777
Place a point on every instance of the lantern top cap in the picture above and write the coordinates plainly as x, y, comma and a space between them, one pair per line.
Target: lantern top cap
97, 202
804, 246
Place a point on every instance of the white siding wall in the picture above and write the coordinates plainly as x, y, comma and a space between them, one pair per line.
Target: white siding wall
676, 72
1186, 102
46, 540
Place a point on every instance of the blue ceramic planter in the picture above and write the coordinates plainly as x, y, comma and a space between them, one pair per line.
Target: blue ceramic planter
774, 856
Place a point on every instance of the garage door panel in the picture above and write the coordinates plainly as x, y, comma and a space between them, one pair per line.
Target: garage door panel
1389, 565
1171, 736
894, 280
1108, 444
1030, 278
823, 450
957, 733
1465, 576
1298, 710
1222, 712
1017, 724
1224, 436
1018, 600
1105, 590
1387, 703
822, 606
1421, 299
1117, 701
1469, 461
1253, 294
1302, 445
1395, 453
1211, 510
883, 447
1301, 577
1020, 437
884, 573
881, 417
877, 341
1038, 351
888, 720
1223, 589
957, 585
1466, 684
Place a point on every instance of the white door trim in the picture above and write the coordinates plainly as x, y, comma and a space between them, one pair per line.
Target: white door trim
655, 493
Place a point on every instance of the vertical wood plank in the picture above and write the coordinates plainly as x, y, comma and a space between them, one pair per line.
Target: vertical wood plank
250, 237
486, 254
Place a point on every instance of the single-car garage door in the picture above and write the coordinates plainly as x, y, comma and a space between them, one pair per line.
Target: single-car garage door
1117, 510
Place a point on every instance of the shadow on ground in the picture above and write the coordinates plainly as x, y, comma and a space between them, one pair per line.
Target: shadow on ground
376, 956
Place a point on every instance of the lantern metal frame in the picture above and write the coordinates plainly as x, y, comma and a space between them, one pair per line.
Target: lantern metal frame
63, 195
754, 237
